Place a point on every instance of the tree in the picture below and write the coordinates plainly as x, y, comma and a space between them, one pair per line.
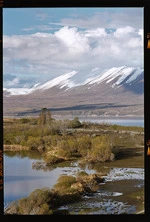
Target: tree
45, 116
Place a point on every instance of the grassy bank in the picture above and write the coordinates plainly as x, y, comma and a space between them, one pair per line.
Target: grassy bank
59, 140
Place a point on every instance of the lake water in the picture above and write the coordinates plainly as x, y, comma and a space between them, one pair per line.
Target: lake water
20, 179
124, 121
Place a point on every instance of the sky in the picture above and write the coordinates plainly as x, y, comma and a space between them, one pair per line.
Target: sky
40, 44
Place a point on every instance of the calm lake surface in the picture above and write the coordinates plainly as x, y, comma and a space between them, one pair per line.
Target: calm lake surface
124, 121
20, 179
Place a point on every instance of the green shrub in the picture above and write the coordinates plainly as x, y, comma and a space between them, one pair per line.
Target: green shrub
75, 123
101, 149
84, 145
51, 159
64, 153
40, 201
64, 184
35, 142
81, 174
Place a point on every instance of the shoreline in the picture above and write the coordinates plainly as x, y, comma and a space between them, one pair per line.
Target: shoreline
58, 116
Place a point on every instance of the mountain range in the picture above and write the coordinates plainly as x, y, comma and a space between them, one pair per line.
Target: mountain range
118, 91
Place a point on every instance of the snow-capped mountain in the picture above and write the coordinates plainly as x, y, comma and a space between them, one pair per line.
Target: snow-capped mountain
117, 76
121, 74
61, 81
119, 90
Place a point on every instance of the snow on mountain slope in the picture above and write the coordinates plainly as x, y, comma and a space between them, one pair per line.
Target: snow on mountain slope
122, 75
18, 91
116, 77
61, 81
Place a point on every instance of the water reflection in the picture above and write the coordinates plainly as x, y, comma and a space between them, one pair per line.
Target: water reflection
20, 179
23, 154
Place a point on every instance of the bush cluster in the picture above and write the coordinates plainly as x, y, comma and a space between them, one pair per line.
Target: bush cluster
62, 138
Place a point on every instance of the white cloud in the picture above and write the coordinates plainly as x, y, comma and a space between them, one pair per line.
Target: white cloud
69, 49
73, 41
99, 32
13, 82
124, 32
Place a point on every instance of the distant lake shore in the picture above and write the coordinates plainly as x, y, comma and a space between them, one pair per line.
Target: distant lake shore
119, 120
66, 116
125, 120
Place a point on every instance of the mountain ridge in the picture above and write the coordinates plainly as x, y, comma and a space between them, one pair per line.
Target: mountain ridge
122, 88
63, 81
